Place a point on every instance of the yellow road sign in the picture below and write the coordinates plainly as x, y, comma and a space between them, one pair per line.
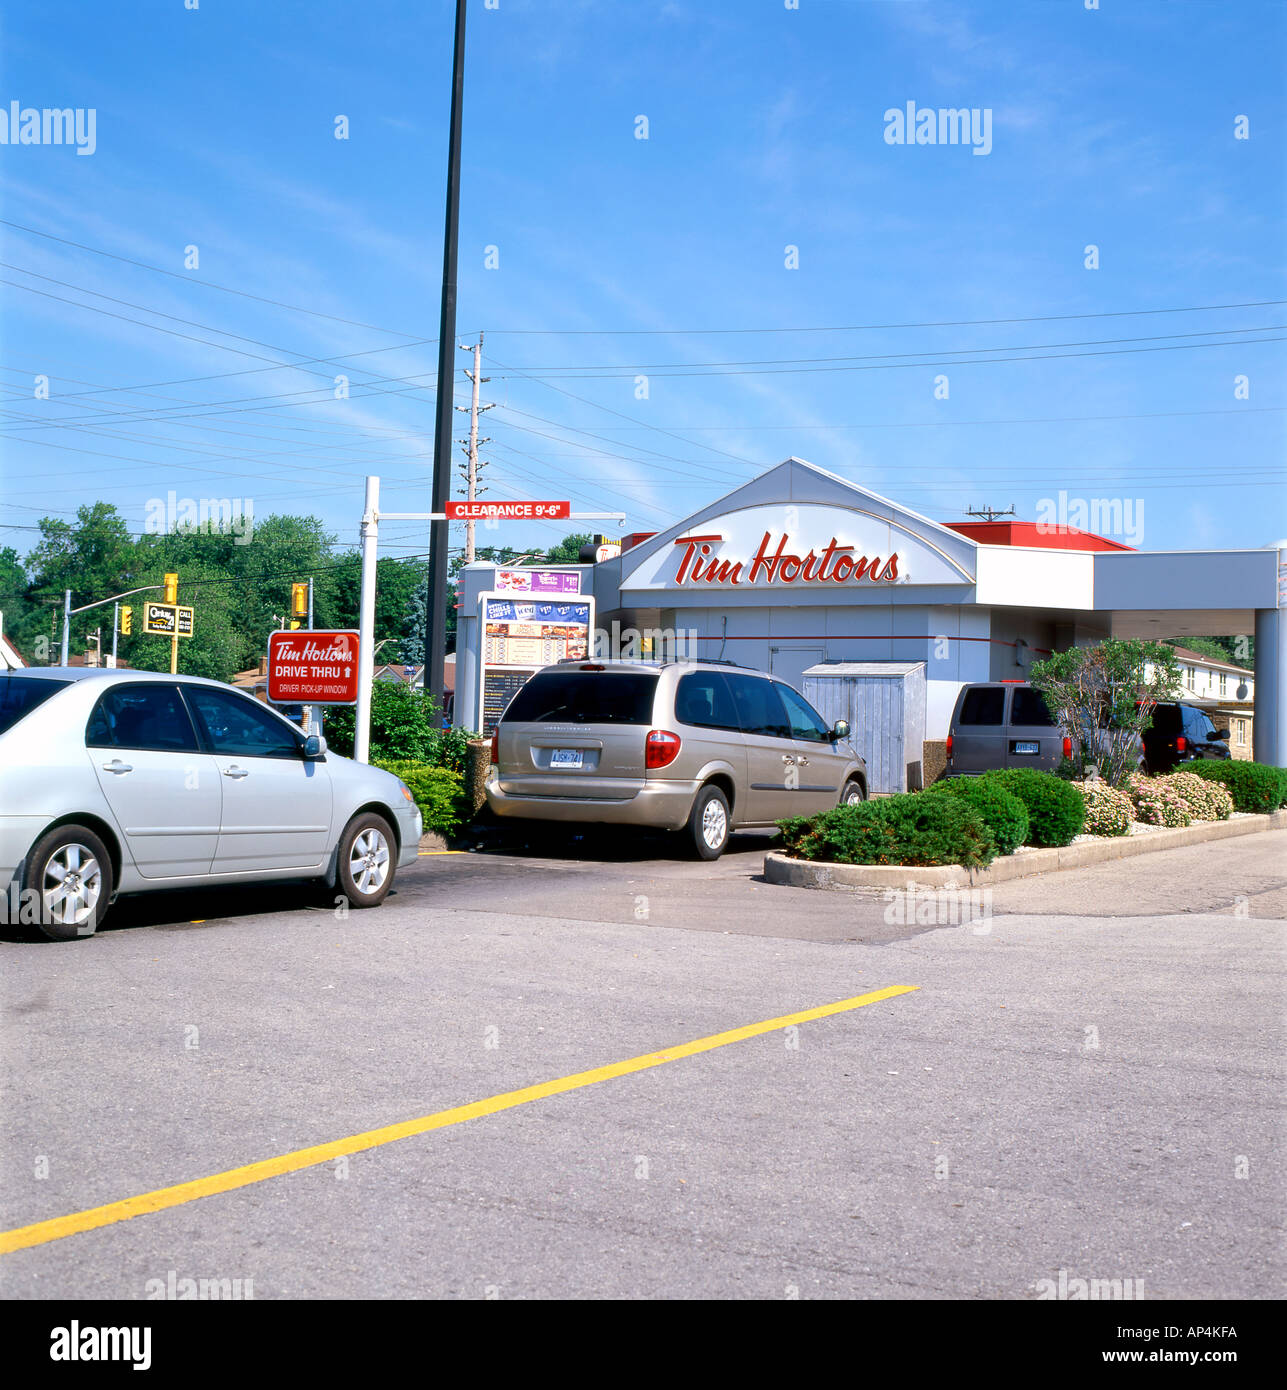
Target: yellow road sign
167, 620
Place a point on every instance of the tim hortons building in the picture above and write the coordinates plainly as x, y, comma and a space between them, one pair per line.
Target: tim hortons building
800, 567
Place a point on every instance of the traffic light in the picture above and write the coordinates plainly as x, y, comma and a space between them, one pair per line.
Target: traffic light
294, 623
127, 620
171, 588
298, 601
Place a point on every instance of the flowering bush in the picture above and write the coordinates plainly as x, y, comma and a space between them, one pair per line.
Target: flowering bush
1108, 811
1157, 802
1205, 800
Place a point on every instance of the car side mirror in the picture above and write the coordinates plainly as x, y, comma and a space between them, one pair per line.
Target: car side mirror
314, 747
1221, 734
841, 730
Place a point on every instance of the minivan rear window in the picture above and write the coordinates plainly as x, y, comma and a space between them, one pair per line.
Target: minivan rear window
584, 697
1028, 707
983, 704
19, 695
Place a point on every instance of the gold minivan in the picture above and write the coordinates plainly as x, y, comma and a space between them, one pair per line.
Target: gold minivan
700, 747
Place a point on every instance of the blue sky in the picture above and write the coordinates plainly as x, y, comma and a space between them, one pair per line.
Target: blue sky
215, 128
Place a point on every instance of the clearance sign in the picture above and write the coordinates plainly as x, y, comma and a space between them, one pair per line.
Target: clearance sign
790, 547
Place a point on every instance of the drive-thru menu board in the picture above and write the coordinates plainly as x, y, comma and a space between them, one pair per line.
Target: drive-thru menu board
519, 637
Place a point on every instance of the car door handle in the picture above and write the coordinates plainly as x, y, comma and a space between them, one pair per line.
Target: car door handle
802, 761
116, 765
787, 758
237, 772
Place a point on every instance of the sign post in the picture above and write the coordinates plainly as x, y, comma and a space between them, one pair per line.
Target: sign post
454, 511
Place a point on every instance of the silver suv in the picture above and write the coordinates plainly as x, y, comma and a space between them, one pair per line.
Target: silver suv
702, 747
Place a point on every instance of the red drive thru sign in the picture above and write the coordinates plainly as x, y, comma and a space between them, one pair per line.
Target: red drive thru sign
313, 668
507, 511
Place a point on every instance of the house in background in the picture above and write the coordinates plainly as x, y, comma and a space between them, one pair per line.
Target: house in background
11, 659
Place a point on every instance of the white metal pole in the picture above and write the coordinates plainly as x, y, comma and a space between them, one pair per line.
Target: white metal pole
312, 713
66, 623
116, 623
366, 623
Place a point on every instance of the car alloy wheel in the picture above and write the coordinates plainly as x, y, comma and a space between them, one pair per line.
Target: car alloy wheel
71, 883
69, 879
714, 823
369, 861
852, 795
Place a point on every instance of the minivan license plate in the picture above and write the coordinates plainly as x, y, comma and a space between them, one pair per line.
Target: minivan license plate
565, 757
1027, 748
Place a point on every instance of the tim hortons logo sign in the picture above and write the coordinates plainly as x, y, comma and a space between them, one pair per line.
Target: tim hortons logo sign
777, 564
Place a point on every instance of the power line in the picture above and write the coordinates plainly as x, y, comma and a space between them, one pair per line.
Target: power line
883, 356
877, 327
204, 284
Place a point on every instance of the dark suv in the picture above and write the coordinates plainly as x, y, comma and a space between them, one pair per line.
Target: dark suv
1182, 733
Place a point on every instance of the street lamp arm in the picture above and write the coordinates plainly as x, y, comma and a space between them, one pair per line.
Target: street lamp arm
98, 603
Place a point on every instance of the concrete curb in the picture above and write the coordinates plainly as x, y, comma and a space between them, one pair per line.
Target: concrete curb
805, 873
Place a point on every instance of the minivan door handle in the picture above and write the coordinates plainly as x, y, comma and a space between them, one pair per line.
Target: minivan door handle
116, 765
237, 772
787, 758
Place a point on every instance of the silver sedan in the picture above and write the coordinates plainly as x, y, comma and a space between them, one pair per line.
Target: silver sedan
116, 781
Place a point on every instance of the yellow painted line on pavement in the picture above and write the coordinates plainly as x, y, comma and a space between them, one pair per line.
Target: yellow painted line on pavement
423, 852
42, 1232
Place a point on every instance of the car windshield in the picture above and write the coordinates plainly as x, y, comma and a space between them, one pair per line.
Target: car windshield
19, 695
584, 697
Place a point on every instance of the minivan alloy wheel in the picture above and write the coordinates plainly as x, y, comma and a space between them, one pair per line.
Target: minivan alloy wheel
714, 823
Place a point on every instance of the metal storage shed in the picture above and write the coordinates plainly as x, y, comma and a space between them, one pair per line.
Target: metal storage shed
884, 703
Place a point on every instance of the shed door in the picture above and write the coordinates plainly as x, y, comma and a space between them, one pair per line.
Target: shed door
790, 663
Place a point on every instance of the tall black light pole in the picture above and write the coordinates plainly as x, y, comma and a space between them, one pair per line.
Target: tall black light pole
436, 603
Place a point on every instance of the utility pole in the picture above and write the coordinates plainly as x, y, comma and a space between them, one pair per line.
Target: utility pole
439, 531
990, 513
470, 472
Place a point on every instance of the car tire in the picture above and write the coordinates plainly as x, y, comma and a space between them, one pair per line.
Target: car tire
708, 824
75, 854
367, 860
853, 793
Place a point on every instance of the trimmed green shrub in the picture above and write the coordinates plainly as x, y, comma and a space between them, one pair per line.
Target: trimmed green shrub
910, 828
438, 791
1056, 809
1255, 787
1003, 813
1108, 811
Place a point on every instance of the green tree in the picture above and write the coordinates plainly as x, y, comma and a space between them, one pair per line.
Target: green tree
1104, 696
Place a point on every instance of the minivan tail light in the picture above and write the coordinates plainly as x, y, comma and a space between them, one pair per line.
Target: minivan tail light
1067, 746
1181, 744
949, 748
661, 748
496, 746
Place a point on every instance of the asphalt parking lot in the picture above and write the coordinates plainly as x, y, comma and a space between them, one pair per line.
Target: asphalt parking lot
1083, 1073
